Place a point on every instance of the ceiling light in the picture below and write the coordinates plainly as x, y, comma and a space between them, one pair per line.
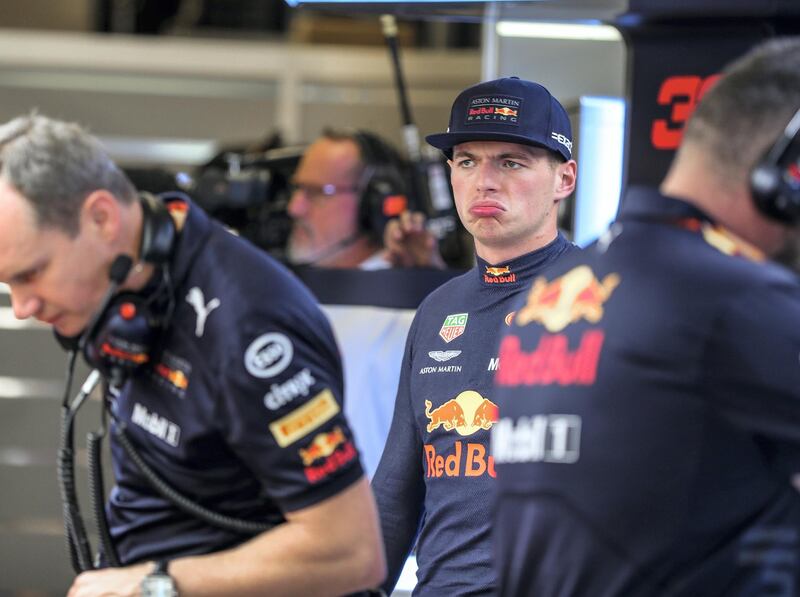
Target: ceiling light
541, 30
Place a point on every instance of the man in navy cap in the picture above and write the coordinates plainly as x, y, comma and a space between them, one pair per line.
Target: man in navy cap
509, 147
649, 386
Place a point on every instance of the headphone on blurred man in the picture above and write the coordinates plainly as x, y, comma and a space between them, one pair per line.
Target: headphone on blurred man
383, 186
127, 326
775, 180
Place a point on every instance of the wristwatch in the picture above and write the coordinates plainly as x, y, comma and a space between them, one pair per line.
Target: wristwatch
159, 583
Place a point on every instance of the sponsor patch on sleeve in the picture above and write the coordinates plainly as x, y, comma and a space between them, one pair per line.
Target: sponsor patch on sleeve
268, 355
303, 420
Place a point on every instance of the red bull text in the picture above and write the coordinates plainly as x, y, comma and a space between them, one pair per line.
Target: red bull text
551, 362
467, 460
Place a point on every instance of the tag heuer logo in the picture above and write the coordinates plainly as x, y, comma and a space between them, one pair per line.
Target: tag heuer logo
453, 326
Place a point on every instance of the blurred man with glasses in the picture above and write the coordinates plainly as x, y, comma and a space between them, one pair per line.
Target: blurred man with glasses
345, 187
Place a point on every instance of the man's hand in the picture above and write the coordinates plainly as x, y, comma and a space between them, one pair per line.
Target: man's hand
409, 244
111, 582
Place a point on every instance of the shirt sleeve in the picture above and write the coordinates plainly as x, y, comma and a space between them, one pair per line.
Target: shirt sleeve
398, 483
281, 400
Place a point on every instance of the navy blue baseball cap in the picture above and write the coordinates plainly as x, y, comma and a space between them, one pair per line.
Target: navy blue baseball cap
508, 109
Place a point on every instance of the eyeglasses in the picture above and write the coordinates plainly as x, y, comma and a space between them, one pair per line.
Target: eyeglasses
315, 191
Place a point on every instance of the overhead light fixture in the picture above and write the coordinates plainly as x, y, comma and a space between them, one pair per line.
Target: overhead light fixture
594, 31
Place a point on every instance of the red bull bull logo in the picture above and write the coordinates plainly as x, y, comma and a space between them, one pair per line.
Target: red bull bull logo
322, 445
497, 271
333, 448
174, 376
505, 111
453, 326
552, 362
466, 414
576, 295
499, 275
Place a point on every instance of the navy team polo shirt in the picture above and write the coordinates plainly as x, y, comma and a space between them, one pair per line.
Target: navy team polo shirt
436, 474
242, 410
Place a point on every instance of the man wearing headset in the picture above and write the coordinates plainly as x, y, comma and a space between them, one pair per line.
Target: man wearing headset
237, 405
347, 184
510, 152
649, 386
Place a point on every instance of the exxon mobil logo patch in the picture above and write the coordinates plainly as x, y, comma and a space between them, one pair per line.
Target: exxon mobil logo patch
453, 326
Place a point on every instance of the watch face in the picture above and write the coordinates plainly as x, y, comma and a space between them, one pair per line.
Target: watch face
158, 585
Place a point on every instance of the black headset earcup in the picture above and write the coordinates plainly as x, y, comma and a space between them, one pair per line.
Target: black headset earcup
383, 198
771, 195
764, 183
158, 230
384, 192
775, 180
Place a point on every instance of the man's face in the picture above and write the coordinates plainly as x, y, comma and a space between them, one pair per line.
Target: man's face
507, 196
324, 206
54, 278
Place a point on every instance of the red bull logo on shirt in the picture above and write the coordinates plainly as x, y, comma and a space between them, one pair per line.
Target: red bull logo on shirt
499, 275
453, 326
551, 362
576, 295
171, 373
323, 444
333, 448
467, 460
174, 376
466, 413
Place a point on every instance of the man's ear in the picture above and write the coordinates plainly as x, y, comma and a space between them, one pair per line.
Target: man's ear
100, 215
566, 176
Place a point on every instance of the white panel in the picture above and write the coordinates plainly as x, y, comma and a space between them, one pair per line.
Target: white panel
600, 149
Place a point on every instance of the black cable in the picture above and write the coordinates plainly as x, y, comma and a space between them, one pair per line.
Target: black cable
97, 493
229, 523
73, 554
77, 537
74, 528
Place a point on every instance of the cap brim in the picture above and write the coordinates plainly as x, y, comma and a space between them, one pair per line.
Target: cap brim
447, 141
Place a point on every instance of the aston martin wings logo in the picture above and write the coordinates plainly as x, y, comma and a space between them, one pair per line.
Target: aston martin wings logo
443, 355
